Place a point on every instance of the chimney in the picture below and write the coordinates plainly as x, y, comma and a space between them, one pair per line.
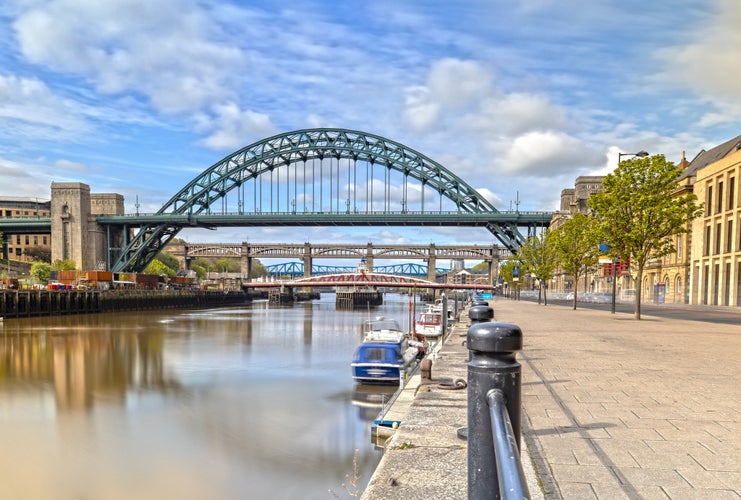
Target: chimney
683, 162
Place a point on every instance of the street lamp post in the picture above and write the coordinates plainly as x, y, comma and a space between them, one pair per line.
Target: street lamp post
640, 154
614, 283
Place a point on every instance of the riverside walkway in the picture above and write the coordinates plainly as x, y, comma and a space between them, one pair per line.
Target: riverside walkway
613, 408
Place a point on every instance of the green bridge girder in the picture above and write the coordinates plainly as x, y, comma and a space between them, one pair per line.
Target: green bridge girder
193, 205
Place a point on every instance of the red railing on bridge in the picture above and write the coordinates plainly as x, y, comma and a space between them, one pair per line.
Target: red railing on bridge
367, 279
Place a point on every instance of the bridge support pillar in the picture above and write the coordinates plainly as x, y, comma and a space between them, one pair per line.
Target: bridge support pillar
431, 263
307, 260
494, 266
369, 256
245, 261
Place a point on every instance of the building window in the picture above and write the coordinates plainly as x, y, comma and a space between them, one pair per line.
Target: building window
719, 201
731, 192
43, 238
27, 239
706, 246
717, 238
708, 200
35, 240
679, 247
678, 289
18, 239
729, 237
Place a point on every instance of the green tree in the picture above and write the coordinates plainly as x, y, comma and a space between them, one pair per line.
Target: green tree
199, 270
639, 211
222, 265
64, 265
158, 268
577, 247
258, 269
507, 271
538, 257
204, 264
170, 261
481, 266
40, 271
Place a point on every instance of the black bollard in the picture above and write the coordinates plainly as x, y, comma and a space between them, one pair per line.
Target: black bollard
492, 365
480, 312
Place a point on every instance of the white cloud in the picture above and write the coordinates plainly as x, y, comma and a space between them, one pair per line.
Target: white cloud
515, 114
235, 128
29, 108
491, 196
542, 153
420, 112
24, 178
164, 50
511, 133
451, 84
707, 63
454, 83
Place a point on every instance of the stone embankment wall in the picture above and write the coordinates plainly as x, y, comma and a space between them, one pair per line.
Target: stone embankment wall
28, 303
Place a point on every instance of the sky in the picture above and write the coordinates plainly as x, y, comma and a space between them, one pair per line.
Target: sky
517, 98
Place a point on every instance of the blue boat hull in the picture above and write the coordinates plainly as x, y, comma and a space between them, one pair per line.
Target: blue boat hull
377, 373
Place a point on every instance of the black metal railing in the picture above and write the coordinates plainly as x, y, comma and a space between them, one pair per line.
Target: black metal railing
494, 388
510, 474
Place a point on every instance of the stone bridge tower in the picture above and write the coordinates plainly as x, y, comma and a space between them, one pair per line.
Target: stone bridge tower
75, 234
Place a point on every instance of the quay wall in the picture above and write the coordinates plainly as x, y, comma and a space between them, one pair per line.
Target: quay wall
358, 299
29, 303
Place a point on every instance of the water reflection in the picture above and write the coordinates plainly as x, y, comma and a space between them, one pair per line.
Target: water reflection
185, 404
81, 359
370, 399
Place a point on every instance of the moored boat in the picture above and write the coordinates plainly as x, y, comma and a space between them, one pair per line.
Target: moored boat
385, 355
429, 323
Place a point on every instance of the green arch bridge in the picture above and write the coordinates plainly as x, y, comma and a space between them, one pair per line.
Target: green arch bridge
313, 177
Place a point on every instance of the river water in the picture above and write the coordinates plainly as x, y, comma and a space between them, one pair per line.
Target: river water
249, 402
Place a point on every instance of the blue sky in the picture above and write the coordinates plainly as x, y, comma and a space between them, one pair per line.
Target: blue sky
518, 98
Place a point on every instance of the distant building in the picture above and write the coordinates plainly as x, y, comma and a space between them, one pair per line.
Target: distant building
573, 201
18, 246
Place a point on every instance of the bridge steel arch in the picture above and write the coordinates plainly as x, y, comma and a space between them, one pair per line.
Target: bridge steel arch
337, 194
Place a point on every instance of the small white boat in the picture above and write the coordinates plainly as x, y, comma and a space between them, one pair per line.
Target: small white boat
430, 323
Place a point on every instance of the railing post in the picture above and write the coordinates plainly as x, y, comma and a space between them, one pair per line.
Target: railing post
492, 365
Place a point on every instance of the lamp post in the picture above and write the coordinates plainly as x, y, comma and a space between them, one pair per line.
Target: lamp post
640, 154
614, 284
